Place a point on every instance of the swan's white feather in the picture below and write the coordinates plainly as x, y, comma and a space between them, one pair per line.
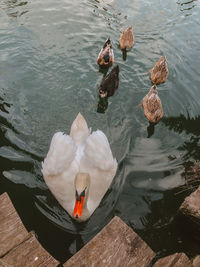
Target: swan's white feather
98, 152
98, 161
61, 153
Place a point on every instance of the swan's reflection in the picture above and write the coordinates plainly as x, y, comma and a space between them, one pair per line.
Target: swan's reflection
76, 245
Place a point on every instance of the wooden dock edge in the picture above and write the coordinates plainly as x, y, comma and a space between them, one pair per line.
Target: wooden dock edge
190, 210
115, 245
18, 247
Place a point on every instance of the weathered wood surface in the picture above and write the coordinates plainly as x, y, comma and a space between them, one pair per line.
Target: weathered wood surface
12, 230
116, 245
196, 261
29, 254
175, 260
4, 264
191, 208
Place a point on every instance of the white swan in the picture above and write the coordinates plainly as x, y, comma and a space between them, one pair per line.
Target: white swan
79, 169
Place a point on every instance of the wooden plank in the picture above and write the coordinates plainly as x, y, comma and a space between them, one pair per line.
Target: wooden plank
30, 254
175, 260
116, 245
196, 261
12, 230
4, 264
190, 208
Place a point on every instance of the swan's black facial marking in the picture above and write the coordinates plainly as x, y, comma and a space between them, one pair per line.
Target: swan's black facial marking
82, 194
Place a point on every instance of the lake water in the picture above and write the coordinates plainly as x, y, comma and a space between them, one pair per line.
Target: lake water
48, 73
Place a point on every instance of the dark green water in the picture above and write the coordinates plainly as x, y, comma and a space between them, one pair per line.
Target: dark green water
48, 73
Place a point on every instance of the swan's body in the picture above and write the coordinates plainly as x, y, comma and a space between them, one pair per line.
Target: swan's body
152, 105
79, 164
126, 38
105, 58
159, 72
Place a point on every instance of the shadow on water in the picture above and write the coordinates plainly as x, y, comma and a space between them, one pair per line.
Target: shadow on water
191, 127
15, 8
163, 224
4, 105
181, 123
186, 5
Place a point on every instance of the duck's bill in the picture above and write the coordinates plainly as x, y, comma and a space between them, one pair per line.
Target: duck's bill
78, 208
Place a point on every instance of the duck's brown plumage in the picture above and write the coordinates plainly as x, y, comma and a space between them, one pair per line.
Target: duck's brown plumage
152, 105
105, 58
159, 72
110, 83
127, 39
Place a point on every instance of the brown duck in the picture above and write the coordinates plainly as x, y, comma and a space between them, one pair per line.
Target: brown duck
127, 39
105, 58
159, 72
110, 83
152, 105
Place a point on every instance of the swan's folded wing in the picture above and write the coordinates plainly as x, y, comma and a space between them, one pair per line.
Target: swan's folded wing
61, 153
98, 152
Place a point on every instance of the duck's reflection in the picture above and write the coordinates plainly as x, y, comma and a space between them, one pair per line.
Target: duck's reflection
104, 71
102, 104
150, 129
124, 54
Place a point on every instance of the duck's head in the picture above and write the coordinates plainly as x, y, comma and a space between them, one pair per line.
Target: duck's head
82, 183
105, 59
154, 89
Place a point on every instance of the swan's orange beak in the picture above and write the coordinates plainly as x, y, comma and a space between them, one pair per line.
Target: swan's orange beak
78, 207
